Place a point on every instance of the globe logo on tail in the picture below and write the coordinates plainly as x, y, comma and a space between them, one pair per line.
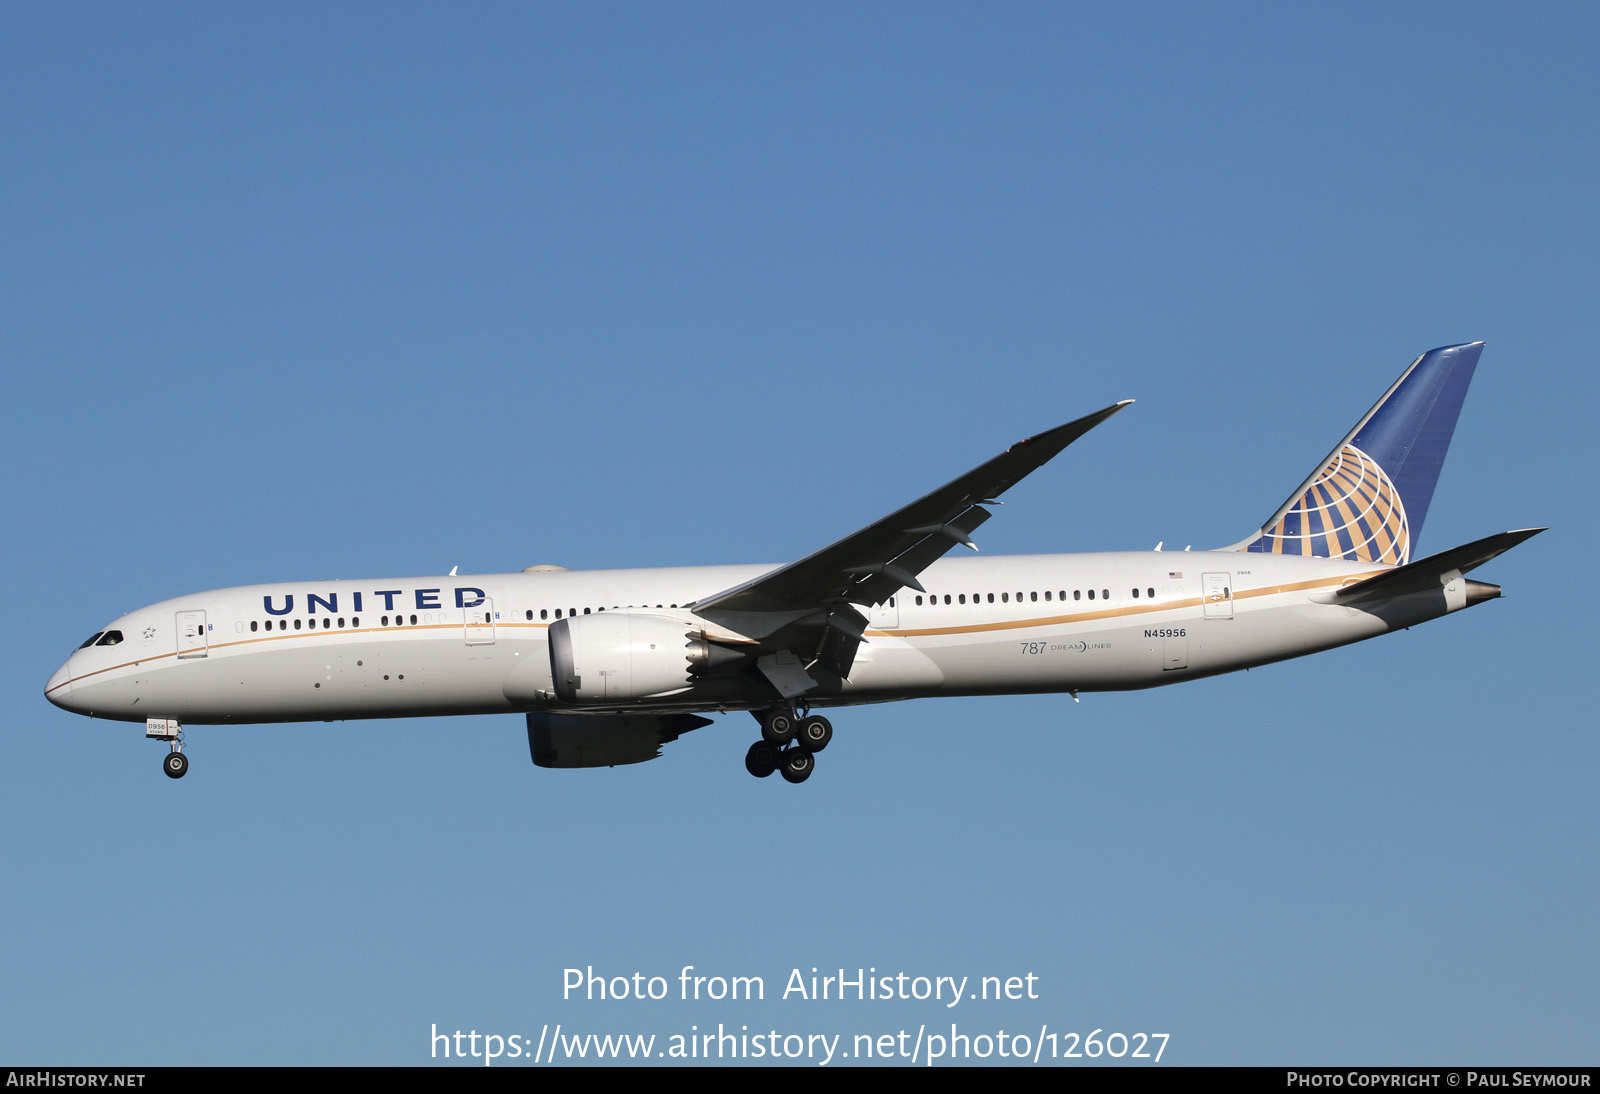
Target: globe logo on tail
1351, 510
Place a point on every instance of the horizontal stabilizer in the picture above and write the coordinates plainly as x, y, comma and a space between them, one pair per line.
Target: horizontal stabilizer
1435, 570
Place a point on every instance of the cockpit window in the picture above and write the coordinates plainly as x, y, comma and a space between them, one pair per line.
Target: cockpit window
110, 638
91, 640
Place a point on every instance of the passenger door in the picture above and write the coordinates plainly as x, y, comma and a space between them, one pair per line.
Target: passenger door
192, 640
479, 623
1218, 593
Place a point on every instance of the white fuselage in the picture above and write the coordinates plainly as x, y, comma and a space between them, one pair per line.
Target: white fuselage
478, 644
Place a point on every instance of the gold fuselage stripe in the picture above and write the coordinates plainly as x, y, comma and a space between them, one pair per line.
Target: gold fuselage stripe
897, 632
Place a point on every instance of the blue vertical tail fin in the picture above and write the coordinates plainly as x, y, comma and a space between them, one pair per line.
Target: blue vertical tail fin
1367, 500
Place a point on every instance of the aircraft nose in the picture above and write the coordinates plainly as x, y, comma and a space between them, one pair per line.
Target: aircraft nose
59, 689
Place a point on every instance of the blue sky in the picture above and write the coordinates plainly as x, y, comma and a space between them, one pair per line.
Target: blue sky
311, 291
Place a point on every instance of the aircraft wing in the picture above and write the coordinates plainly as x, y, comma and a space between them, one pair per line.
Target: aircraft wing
869, 566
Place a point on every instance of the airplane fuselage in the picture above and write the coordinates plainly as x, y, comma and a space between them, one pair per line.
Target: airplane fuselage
478, 644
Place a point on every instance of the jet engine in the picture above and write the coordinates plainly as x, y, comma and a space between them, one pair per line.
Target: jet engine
613, 658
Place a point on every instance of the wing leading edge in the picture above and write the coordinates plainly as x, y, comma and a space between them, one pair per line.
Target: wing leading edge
872, 564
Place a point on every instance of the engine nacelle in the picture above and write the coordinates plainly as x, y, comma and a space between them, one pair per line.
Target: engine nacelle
614, 658
604, 740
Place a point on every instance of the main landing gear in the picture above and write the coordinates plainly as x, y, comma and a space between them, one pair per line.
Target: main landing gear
789, 743
176, 764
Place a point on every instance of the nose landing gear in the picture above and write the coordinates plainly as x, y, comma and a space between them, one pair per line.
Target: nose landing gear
176, 764
789, 744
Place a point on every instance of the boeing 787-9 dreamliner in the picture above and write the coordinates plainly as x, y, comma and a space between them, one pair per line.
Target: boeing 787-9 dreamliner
608, 666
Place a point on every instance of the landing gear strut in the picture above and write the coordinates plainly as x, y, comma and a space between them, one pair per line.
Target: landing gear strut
789, 744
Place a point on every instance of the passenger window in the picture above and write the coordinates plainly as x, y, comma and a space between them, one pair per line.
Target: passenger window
1005, 598
254, 624
413, 621
1105, 594
297, 624
1034, 597
1136, 594
544, 613
962, 599
1152, 593
1091, 594
1047, 594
